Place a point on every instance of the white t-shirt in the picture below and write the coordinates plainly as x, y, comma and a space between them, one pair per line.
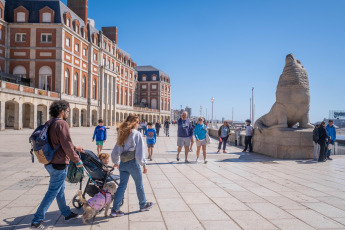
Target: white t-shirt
249, 129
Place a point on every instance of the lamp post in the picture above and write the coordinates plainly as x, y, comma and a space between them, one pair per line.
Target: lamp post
212, 100
252, 104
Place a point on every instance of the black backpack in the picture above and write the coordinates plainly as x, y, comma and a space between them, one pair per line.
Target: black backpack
316, 135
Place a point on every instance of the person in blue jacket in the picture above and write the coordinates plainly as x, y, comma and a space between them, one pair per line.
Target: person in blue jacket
101, 136
332, 133
200, 131
151, 137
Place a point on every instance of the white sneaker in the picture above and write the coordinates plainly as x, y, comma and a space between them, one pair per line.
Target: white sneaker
197, 160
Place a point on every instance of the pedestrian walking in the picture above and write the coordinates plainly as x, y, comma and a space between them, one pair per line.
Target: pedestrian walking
144, 126
316, 137
151, 137
58, 135
140, 128
101, 136
249, 135
200, 137
191, 138
184, 132
223, 134
158, 126
323, 139
166, 127
130, 147
332, 133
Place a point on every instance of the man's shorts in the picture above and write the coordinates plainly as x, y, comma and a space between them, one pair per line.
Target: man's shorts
150, 145
201, 142
99, 143
183, 141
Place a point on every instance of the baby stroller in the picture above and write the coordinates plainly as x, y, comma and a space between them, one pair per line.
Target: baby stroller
98, 173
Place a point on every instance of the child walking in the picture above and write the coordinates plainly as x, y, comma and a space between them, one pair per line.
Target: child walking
101, 136
150, 139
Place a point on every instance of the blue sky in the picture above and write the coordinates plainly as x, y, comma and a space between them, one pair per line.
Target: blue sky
223, 48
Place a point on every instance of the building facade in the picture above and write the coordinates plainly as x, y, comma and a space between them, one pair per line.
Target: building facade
50, 51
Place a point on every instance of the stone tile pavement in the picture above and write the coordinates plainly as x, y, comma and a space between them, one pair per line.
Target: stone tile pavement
232, 191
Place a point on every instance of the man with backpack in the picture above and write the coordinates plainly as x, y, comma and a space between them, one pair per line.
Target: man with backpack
59, 138
315, 141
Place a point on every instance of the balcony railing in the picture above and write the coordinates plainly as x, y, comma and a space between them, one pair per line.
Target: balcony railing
26, 89
14, 79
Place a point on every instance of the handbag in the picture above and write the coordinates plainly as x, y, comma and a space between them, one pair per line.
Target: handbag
74, 174
208, 139
127, 155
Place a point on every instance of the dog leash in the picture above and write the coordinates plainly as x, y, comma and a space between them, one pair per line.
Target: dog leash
90, 177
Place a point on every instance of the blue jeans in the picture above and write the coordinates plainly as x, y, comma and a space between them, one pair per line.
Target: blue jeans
126, 169
329, 150
56, 190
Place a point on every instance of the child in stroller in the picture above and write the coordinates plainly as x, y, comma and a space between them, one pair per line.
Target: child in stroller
99, 174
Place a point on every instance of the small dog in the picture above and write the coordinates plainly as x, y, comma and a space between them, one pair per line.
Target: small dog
89, 211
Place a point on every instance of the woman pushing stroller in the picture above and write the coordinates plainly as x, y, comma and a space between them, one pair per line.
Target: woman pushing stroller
130, 148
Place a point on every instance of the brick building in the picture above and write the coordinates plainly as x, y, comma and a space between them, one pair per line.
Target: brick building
51, 51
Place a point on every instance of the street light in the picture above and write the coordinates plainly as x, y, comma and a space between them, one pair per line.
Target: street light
212, 100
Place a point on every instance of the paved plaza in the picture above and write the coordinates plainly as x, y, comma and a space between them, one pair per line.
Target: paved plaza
233, 191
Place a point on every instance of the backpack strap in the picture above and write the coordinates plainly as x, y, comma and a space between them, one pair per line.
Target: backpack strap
51, 123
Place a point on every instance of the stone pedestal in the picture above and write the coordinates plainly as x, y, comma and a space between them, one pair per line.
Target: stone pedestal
284, 143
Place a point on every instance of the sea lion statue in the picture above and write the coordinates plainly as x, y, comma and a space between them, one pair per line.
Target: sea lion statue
292, 99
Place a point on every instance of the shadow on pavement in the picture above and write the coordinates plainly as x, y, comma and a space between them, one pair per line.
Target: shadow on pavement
251, 157
307, 162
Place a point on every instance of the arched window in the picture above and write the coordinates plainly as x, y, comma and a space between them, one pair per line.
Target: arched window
165, 107
45, 78
121, 99
75, 84
19, 71
130, 99
83, 87
118, 95
66, 81
154, 103
126, 98
154, 78
94, 89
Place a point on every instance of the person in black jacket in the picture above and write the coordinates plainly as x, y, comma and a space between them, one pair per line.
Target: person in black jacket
323, 138
158, 126
166, 127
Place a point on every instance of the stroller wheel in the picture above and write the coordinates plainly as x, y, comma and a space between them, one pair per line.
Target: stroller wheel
76, 202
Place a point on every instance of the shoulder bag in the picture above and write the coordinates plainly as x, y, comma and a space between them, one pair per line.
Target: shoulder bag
127, 155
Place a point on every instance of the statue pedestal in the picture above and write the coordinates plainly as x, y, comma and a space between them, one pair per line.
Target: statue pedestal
284, 143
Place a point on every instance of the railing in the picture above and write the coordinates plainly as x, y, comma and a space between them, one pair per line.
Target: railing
26, 89
14, 79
